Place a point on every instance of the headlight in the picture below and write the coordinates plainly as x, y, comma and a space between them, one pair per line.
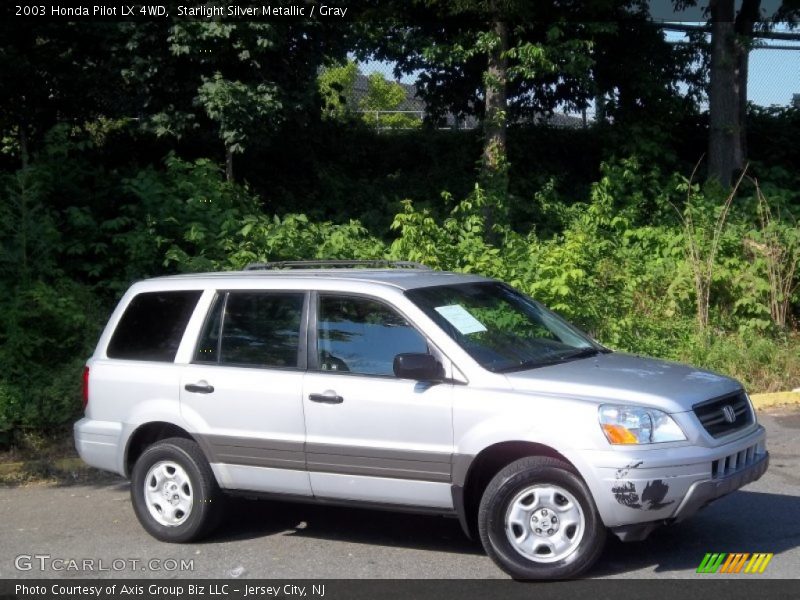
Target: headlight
638, 425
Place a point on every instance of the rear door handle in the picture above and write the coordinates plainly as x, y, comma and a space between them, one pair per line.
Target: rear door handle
199, 388
327, 397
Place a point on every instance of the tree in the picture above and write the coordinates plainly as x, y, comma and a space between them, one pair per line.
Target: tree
732, 37
497, 59
335, 87
238, 79
54, 73
725, 153
495, 82
744, 26
240, 110
645, 98
381, 104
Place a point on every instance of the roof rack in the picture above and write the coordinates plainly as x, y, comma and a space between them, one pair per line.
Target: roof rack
310, 264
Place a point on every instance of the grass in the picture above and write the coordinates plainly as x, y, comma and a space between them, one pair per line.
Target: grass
762, 364
51, 459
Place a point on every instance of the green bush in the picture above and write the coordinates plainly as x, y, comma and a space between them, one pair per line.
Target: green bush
624, 274
47, 330
763, 363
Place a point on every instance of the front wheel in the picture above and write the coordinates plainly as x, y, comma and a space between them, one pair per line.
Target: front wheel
537, 520
174, 493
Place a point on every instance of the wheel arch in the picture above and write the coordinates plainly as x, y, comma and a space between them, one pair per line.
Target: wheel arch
471, 475
147, 434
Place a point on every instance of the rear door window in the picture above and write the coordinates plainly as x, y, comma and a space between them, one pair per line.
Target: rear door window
253, 329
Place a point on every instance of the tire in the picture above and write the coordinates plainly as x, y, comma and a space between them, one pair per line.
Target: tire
535, 491
174, 493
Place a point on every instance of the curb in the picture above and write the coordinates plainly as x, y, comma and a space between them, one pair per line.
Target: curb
761, 401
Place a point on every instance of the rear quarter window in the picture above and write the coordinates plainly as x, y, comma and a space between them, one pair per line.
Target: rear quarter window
152, 326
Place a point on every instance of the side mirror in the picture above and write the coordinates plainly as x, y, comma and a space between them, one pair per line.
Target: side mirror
419, 366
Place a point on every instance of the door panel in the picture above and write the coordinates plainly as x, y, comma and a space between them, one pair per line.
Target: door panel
369, 435
243, 395
399, 431
252, 416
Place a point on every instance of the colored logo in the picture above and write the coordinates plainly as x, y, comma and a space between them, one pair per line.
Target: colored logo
737, 562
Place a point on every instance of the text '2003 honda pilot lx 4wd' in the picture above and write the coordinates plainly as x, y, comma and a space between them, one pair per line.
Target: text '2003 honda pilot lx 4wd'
411, 389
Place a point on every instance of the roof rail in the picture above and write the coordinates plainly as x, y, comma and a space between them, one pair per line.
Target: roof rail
310, 264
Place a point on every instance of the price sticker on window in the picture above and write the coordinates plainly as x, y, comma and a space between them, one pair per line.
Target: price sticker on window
461, 319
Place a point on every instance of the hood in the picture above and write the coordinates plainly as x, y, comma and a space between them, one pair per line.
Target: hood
621, 378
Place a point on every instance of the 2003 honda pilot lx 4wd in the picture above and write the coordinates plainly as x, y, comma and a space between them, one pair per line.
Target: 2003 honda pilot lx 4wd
395, 386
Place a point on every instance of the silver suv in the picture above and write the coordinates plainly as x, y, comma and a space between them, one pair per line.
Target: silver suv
392, 385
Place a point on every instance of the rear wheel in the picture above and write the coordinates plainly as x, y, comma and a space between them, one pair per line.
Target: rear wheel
174, 493
537, 520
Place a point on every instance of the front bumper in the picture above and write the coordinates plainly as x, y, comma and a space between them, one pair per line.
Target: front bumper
700, 494
637, 490
703, 492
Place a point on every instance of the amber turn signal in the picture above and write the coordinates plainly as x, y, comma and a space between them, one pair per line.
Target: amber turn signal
617, 434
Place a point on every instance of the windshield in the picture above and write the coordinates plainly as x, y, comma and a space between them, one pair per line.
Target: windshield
501, 328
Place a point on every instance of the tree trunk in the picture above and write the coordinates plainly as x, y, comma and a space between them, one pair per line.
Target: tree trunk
494, 166
724, 145
494, 124
748, 16
229, 165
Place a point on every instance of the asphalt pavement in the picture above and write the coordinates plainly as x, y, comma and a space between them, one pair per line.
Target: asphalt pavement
80, 531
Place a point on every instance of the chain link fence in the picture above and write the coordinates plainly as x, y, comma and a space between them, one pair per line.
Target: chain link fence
774, 75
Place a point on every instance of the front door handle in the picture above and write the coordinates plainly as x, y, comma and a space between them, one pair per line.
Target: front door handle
199, 388
327, 397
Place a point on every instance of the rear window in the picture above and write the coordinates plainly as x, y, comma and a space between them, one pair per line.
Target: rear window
152, 326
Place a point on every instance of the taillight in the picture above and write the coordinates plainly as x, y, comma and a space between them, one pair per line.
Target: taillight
85, 387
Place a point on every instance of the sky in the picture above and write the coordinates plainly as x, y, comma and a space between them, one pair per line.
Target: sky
774, 75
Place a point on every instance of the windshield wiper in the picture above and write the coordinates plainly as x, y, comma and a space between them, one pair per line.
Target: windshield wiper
533, 364
581, 353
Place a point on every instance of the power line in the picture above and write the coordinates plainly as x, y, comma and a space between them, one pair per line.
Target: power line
767, 35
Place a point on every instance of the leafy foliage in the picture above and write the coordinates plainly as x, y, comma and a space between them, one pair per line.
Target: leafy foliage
380, 105
629, 283
335, 86
382, 102
238, 108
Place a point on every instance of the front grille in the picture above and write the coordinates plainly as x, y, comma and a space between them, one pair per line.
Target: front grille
732, 463
712, 414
